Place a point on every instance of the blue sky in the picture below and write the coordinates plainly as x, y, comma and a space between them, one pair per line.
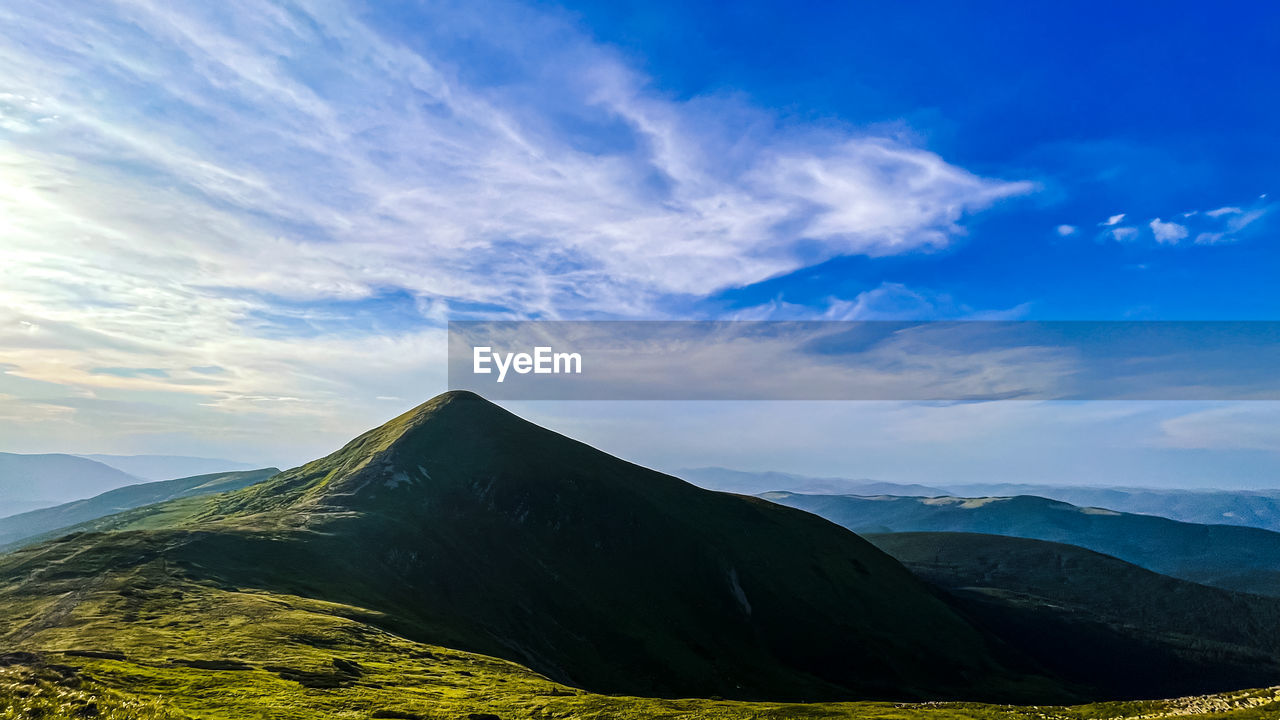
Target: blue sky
223, 223
1148, 110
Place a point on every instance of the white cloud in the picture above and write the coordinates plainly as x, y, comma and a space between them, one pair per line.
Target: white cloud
338, 190
1124, 234
1229, 223
887, 301
1209, 227
1244, 220
174, 174
1253, 425
929, 444
1168, 233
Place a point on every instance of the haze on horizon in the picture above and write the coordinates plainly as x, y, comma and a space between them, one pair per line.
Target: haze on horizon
238, 230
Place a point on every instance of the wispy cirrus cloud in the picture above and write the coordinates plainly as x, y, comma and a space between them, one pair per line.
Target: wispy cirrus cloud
1242, 426
887, 301
1231, 222
239, 185
314, 157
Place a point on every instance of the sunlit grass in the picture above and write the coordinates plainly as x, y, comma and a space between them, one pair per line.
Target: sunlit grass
193, 651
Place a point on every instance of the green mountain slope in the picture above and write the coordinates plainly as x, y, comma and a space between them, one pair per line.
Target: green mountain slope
53, 478
1230, 557
1060, 604
460, 524
42, 522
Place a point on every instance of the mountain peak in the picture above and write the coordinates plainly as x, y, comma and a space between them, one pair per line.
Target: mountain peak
454, 406
451, 399
452, 411
457, 432
478, 530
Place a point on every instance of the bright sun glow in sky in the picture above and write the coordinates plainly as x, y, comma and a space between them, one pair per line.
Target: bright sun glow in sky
237, 229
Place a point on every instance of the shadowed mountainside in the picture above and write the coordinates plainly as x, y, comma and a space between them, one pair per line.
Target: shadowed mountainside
1225, 556
1062, 604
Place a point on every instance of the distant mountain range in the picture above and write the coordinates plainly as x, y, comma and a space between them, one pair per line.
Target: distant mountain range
44, 480
79, 514
13, 507
755, 483
1251, 508
1093, 619
167, 467
29, 482
1230, 557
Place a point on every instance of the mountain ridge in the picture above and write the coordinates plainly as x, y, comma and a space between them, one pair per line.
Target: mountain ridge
1058, 603
461, 523
54, 478
168, 467
1245, 507
754, 483
76, 515
1231, 557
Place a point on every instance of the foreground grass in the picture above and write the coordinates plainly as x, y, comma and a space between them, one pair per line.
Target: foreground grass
135, 647
35, 692
117, 690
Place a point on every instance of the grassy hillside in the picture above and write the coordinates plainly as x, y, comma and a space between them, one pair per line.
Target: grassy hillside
1230, 557
466, 526
360, 585
154, 644
1059, 604
80, 514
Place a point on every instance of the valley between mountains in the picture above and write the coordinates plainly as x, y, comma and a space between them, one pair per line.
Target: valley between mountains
460, 562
